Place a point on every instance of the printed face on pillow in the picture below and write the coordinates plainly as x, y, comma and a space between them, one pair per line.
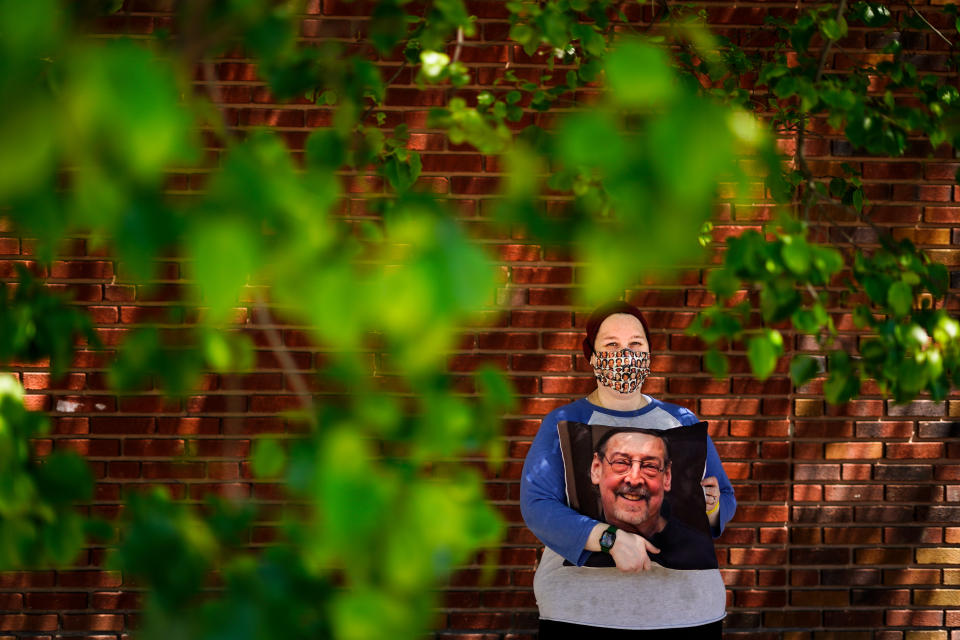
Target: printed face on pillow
633, 475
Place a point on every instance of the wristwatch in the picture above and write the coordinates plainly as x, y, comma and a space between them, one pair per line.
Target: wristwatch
607, 538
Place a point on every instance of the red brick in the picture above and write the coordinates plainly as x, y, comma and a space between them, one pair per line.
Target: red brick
151, 448
840, 450
914, 618
12, 601
92, 622
853, 493
915, 450
188, 426
507, 341
759, 428
717, 407
93, 448
567, 385
84, 579
757, 556
541, 363
27, 579
172, 470
884, 429
542, 275
23, 622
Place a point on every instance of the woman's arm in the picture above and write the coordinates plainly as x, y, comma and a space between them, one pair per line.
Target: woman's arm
728, 502
543, 499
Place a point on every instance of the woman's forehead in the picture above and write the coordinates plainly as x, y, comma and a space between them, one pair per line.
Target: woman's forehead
620, 325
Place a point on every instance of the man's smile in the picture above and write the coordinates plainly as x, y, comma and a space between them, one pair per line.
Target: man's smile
633, 495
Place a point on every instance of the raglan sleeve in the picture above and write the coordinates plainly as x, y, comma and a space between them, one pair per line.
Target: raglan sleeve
543, 498
714, 468
728, 501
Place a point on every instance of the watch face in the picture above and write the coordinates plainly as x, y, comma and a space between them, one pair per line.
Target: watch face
607, 540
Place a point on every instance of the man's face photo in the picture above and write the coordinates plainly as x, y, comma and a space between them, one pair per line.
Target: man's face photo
630, 479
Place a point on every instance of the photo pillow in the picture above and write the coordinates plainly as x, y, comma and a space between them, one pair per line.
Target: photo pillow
685, 542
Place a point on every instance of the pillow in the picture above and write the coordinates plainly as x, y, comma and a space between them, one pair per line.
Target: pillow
686, 541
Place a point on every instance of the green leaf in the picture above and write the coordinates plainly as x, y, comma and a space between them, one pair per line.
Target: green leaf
938, 278
225, 254
803, 368
843, 383
386, 27
858, 200
802, 32
911, 376
785, 87
63, 478
763, 351
796, 254
325, 148
717, 363
874, 14
639, 75
900, 298
723, 283
140, 128
591, 138
269, 458
833, 28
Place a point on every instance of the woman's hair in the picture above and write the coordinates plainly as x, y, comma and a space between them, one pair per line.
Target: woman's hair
603, 312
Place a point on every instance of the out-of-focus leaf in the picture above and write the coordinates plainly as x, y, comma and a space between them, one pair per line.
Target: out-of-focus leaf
326, 149
717, 363
900, 298
35, 324
138, 127
639, 74
763, 351
269, 458
225, 253
40, 523
168, 546
796, 254
803, 368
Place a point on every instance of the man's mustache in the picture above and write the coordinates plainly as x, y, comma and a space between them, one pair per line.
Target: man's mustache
635, 492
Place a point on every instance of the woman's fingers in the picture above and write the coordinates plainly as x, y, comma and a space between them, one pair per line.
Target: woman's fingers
630, 552
711, 490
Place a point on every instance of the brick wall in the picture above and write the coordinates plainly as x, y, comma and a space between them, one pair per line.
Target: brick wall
849, 517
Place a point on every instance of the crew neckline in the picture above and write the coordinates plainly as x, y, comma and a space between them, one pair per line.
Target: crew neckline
631, 412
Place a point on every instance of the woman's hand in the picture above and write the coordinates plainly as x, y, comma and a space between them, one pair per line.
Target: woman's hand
711, 496
631, 552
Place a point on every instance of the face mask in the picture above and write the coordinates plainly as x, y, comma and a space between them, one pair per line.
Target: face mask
623, 370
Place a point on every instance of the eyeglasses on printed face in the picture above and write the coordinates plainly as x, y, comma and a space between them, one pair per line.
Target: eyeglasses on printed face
622, 466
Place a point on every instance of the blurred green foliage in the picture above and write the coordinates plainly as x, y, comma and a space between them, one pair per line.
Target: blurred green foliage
39, 525
646, 131
39, 325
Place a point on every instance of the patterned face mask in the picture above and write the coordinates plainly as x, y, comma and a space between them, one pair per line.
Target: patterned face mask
623, 370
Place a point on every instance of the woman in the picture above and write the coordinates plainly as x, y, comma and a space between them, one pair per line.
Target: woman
638, 598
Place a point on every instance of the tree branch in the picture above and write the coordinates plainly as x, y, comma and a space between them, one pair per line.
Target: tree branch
290, 370
799, 159
927, 22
